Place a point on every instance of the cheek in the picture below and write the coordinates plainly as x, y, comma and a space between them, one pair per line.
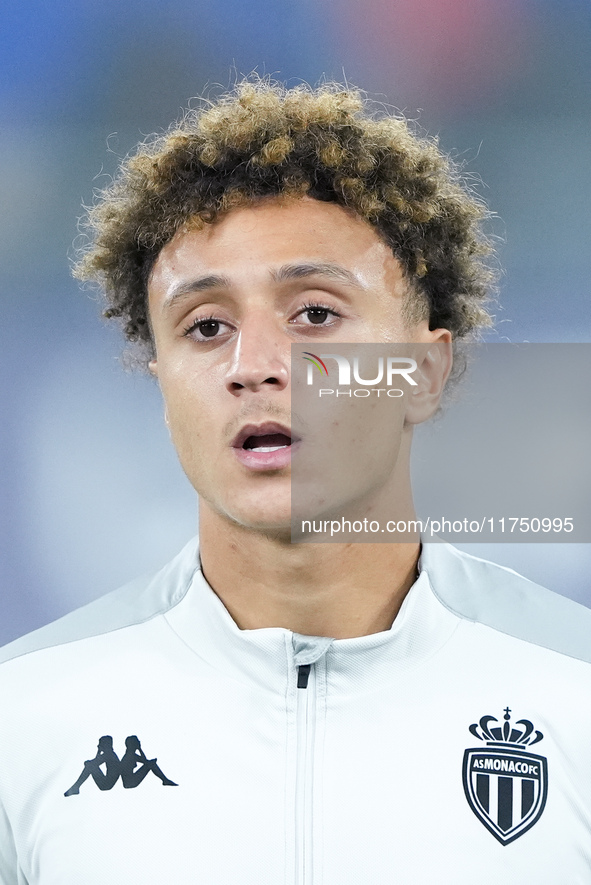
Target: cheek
190, 409
185, 385
193, 438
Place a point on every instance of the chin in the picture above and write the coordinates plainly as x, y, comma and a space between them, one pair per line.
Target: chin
265, 515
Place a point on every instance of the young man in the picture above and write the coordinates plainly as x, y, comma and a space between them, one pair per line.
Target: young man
332, 713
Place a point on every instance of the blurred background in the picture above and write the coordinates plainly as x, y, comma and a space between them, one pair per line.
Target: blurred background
91, 492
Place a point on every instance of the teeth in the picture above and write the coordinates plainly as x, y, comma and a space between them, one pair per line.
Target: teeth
267, 448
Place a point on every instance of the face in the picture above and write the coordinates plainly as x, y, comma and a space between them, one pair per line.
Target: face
226, 303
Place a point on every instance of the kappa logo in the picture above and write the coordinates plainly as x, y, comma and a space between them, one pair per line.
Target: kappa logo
506, 786
106, 768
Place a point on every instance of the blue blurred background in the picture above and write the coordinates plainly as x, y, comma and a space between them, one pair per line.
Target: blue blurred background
91, 491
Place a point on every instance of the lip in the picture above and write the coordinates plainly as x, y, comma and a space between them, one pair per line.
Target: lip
264, 460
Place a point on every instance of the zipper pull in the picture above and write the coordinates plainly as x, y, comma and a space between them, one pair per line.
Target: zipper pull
303, 675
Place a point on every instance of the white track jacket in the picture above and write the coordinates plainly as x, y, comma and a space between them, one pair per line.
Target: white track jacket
146, 739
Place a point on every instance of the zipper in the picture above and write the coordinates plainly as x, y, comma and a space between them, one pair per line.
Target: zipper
308, 656
303, 675
305, 722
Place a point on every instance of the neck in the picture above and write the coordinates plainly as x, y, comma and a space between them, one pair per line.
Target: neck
336, 590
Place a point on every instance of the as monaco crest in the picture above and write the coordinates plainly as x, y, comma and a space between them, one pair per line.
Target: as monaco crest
506, 786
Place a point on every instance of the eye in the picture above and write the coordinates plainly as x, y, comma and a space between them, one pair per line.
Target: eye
206, 329
317, 315
209, 328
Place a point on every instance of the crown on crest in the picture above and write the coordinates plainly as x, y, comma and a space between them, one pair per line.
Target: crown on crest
506, 733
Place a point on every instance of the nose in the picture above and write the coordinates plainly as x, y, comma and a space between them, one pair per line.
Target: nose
261, 358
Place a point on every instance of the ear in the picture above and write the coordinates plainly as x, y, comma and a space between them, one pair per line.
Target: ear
434, 363
153, 370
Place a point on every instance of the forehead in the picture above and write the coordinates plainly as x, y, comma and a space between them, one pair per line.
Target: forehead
273, 232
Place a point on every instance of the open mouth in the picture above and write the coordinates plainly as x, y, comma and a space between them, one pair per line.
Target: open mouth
265, 446
267, 442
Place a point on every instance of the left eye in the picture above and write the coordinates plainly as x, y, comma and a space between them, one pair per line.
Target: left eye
317, 314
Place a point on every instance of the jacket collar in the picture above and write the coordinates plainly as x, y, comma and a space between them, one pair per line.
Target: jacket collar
269, 657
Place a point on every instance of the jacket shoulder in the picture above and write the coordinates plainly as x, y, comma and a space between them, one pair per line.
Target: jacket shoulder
498, 597
134, 603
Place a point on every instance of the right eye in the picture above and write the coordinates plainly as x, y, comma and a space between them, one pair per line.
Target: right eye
206, 329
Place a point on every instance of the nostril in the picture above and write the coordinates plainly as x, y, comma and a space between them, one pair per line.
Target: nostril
235, 386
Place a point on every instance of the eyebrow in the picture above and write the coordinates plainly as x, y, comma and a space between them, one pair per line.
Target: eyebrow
201, 284
313, 269
285, 273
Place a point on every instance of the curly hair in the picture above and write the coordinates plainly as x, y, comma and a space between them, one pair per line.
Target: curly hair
261, 140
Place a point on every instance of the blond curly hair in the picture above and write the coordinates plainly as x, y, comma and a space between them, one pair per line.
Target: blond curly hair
262, 139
